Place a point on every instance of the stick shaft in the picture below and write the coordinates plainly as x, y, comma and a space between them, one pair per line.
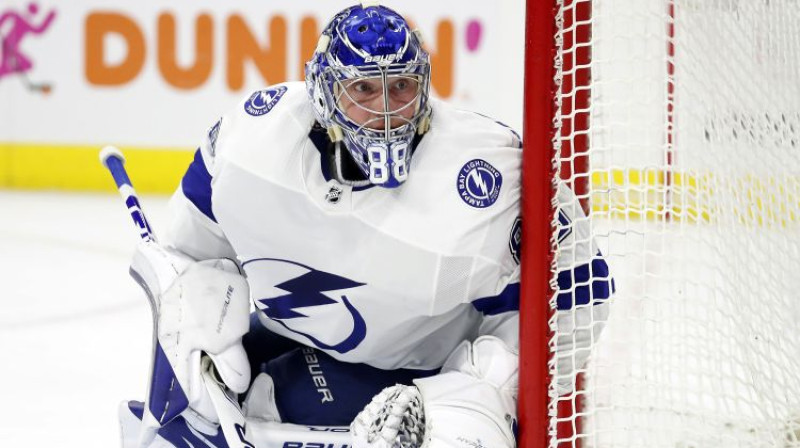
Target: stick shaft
112, 159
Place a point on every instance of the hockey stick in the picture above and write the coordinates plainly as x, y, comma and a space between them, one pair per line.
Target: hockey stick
114, 161
232, 420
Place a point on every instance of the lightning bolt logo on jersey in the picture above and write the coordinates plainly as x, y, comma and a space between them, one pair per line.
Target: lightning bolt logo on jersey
301, 294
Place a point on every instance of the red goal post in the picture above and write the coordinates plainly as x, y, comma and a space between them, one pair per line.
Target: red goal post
537, 227
539, 165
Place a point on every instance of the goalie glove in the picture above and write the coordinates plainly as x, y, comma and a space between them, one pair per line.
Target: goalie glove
393, 419
471, 403
198, 308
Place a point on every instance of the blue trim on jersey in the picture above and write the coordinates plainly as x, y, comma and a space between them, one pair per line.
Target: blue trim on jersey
319, 137
565, 229
167, 398
313, 388
196, 185
592, 282
516, 134
506, 301
320, 140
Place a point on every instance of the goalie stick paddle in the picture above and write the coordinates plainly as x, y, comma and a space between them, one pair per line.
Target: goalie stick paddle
232, 420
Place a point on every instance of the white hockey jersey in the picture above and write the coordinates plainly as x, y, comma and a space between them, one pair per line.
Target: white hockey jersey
394, 278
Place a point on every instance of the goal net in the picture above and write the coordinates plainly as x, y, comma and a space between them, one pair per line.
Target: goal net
677, 125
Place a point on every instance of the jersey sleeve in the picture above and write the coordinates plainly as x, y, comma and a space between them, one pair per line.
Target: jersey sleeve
501, 311
584, 287
500, 307
583, 278
193, 228
495, 284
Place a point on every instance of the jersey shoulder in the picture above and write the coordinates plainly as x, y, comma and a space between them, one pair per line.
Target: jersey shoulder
462, 194
471, 161
272, 101
472, 131
262, 127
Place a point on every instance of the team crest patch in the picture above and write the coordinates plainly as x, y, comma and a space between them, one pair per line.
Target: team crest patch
479, 183
263, 101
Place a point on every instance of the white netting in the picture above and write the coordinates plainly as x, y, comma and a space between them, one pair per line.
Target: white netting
694, 156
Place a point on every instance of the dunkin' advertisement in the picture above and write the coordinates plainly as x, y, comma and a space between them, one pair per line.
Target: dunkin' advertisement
156, 74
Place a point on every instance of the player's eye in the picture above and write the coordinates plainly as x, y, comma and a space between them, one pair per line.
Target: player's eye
403, 89
401, 85
363, 88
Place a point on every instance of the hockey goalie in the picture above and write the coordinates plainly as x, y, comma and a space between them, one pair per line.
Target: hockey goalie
342, 265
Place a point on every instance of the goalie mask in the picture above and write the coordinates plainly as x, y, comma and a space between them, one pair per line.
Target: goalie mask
369, 80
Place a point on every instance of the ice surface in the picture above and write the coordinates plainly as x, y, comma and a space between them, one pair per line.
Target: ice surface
75, 329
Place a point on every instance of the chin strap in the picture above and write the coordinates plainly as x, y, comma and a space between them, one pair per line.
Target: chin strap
424, 124
335, 133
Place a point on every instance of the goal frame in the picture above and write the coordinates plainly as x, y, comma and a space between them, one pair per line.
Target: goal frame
537, 191
541, 135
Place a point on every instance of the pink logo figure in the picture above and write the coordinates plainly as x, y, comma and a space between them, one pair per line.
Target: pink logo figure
12, 60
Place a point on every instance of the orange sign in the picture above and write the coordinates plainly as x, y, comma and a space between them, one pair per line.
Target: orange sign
241, 47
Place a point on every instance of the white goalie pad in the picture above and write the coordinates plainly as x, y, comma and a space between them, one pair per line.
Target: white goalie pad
257, 425
470, 403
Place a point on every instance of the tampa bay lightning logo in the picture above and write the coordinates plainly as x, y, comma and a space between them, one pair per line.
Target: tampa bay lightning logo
479, 183
263, 101
307, 302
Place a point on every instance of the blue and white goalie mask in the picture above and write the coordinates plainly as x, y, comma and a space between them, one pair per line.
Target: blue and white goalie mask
369, 81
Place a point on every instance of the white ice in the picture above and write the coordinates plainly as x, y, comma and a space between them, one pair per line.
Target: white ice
75, 330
